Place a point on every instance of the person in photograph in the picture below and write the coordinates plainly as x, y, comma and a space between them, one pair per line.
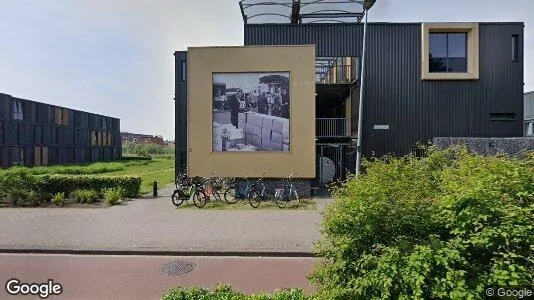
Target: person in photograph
235, 101
277, 104
285, 104
254, 100
263, 103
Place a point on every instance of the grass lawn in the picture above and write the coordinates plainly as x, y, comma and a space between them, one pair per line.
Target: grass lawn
160, 169
305, 204
157, 169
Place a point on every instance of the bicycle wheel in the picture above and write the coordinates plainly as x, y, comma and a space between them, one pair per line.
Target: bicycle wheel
216, 195
254, 200
229, 195
281, 200
176, 199
199, 199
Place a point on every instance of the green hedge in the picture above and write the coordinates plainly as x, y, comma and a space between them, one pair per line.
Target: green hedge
442, 227
225, 292
68, 183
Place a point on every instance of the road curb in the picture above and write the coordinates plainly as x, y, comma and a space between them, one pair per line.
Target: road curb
160, 253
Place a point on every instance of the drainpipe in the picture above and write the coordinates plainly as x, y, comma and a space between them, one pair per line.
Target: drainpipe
360, 110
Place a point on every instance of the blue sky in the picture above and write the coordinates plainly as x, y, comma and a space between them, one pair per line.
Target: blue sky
116, 58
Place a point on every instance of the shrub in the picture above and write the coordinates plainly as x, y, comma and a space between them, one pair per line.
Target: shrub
85, 196
444, 226
16, 185
225, 292
113, 196
68, 183
58, 199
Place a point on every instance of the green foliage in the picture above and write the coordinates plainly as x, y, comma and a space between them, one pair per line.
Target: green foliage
148, 150
58, 199
85, 196
68, 183
113, 196
225, 292
443, 226
16, 187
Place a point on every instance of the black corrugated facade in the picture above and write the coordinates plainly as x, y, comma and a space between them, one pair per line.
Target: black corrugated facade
180, 99
416, 110
33, 134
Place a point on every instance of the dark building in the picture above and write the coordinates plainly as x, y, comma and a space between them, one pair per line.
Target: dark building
422, 80
141, 139
35, 134
529, 114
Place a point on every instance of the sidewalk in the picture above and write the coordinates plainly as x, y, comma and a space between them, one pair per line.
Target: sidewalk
154, 226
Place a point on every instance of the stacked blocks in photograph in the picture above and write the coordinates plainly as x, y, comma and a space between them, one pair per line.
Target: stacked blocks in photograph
267, 133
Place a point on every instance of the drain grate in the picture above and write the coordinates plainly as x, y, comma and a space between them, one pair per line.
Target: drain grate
178, 267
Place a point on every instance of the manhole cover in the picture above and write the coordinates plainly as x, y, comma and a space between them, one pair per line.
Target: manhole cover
178, 268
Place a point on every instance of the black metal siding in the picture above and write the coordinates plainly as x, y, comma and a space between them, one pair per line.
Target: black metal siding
395, 95
66, 143
180, 105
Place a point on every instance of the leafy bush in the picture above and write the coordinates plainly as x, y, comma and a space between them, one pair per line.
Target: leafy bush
444, 226
85, 196
68, 183
113, 196
16, 186
147, 150
225, 292
58, 199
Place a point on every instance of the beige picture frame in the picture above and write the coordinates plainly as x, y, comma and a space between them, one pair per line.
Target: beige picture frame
203, 62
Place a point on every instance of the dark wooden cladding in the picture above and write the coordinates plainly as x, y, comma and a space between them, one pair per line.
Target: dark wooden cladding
394, 94
180, 111
50, 134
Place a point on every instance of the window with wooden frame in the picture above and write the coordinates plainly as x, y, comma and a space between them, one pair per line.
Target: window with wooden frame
93, 138
450, 51
65, 117
44, 153
37, 156
58, 116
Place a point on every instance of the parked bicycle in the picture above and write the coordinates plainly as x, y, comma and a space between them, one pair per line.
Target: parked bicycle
259, 193
212, 188
287, 193
236, 191
183, 189
190, 188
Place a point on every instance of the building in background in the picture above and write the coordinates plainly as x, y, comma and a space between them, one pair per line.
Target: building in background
141, 139
40, 134
422, 80
529, 114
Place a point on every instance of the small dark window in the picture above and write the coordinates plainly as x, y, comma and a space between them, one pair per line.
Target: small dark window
17, 156
183, 70
18, 113
502, 117
448, 52
515, 47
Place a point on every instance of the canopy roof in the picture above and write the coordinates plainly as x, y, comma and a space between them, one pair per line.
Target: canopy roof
303, 11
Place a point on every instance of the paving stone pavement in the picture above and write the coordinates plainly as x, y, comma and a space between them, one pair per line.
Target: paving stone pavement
154, 225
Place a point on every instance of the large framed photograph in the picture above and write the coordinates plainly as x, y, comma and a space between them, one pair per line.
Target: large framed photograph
251, 111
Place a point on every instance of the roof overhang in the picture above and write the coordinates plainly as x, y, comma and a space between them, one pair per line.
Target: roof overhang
304, 11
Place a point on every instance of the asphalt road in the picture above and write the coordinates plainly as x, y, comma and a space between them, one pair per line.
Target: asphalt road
142, 277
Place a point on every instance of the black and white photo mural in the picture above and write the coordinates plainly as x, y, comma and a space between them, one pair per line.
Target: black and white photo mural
251, 111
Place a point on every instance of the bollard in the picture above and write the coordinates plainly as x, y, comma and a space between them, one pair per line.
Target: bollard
155, 189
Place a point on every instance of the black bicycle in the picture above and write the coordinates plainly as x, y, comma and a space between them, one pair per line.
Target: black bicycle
234, 192
183, 191
259, 193
287, 193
